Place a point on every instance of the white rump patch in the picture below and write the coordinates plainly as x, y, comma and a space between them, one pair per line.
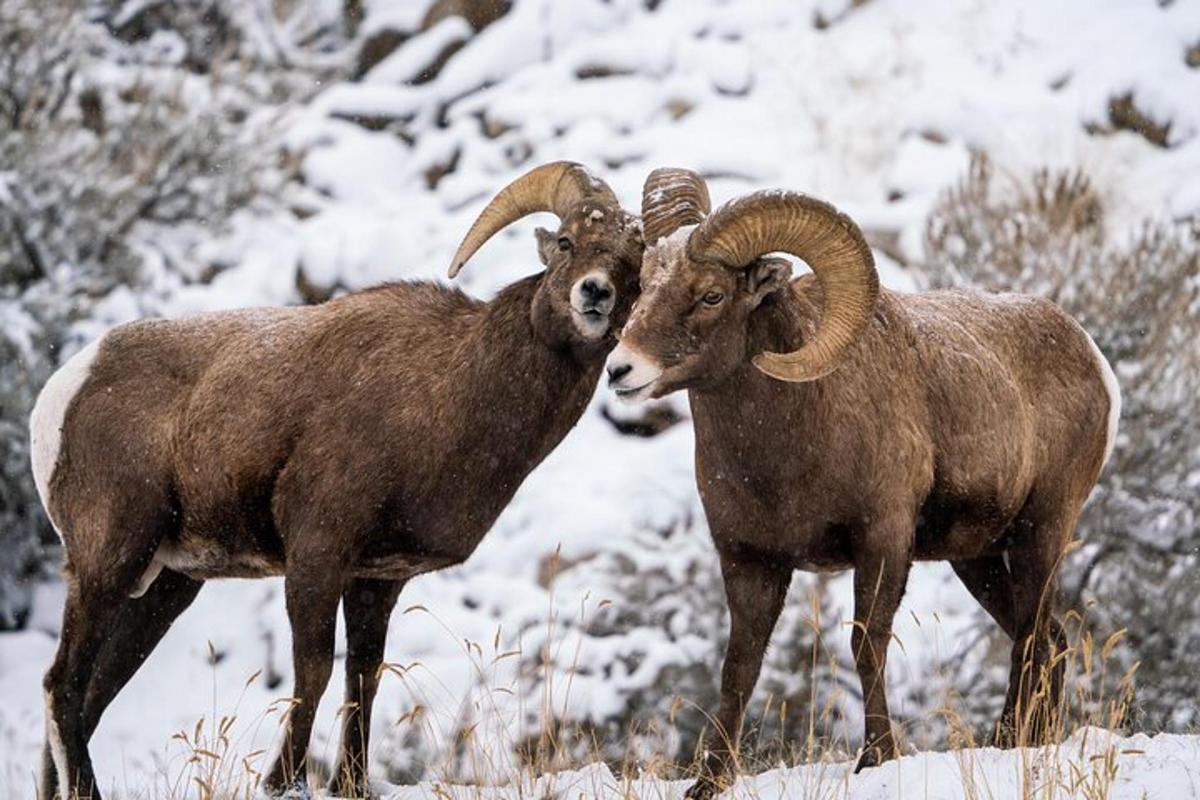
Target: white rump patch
58, 752
1114, 397
49, 413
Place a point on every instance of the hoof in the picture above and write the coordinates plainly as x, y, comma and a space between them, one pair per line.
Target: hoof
869, 758
873, 757
352, 790
703, 789
297, 790
1006, 736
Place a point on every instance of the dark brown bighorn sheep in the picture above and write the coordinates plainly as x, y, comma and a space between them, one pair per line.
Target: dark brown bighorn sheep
840, 426
348, 446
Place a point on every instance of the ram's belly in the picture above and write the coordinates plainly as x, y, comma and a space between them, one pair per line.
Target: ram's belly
203, 559
958, 532
399, 567
969, 511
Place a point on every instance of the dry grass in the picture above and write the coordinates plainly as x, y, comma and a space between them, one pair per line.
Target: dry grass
486, 741
1135, 290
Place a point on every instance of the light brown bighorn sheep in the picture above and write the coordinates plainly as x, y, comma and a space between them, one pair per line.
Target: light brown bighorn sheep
348, 446
840, 426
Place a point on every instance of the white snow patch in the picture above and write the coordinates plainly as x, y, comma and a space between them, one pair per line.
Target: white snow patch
419, 52
1160, 766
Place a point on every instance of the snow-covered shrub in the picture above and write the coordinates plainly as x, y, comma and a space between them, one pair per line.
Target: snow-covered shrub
653, 657
1138, 566
115, 162
205, 37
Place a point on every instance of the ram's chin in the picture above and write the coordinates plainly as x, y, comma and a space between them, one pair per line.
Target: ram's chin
590, 325
633, 396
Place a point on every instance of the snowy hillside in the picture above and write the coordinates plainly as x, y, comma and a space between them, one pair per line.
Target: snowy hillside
596, 598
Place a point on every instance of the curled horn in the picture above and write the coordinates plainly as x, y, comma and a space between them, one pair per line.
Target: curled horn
828, 241
671, 199
556, 187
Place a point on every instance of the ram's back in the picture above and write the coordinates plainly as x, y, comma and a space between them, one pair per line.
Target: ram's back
205, 411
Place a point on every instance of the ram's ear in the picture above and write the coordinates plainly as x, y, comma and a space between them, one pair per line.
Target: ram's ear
766, 275
547, 243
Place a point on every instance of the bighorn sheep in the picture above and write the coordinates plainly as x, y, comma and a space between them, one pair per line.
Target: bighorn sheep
348, 446
840, 426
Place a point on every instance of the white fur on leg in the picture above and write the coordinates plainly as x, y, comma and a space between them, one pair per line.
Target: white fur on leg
49, 413
58, 752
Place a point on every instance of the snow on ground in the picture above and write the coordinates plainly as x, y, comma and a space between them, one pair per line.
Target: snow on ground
877, 113
1092, 764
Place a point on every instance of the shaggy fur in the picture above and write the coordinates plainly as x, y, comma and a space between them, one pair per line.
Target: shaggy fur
960, 426
347, 446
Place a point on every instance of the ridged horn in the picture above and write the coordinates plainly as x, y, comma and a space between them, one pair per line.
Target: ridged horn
671, 199
828, 241
555, 187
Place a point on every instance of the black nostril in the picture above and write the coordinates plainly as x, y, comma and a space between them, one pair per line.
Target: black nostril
595, 291
618, 371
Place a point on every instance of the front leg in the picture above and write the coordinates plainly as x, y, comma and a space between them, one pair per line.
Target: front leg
312, 588
366, 606
755, 591
881, 565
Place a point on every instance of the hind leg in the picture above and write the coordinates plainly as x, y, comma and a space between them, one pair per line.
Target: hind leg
106, 559
140, 627
91, 612
1035, 680
988, 580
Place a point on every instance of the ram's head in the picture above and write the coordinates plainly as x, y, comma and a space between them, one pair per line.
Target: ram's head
703, 276
592, 260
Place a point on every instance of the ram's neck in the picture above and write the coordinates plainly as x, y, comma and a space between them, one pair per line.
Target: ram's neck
530, 392
739, 418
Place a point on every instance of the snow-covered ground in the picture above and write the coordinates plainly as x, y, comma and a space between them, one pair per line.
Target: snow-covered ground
878, 112
1092, 764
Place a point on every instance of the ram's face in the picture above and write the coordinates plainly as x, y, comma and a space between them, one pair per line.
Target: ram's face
592, 259
591, 281
689, 327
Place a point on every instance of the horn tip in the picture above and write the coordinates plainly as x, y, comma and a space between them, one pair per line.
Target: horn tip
455, 267
777, 366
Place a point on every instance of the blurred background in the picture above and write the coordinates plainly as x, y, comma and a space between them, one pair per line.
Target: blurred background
164, 158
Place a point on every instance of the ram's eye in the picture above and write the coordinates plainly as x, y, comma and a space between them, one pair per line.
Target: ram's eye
565, 244
713, 298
